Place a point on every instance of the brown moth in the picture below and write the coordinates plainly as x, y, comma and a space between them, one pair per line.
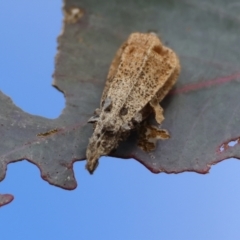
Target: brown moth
142, 72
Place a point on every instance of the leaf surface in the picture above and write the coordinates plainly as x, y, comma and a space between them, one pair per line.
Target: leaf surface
5, 199
201, 112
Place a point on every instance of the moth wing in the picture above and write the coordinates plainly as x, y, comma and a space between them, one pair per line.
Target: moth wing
113, 69
143, 71
163, 91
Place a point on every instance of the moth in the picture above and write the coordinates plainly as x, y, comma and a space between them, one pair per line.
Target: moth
141, 74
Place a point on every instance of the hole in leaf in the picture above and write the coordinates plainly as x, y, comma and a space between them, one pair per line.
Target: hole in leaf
231, 143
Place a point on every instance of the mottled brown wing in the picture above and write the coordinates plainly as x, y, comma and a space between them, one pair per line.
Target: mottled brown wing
162, 92
145, 66
113, 69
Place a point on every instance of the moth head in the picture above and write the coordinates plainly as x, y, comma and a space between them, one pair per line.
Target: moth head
93, 154
91, 165
100, 144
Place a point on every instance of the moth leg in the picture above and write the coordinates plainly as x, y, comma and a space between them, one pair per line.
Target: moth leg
157, 110
148, 136
95, 116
